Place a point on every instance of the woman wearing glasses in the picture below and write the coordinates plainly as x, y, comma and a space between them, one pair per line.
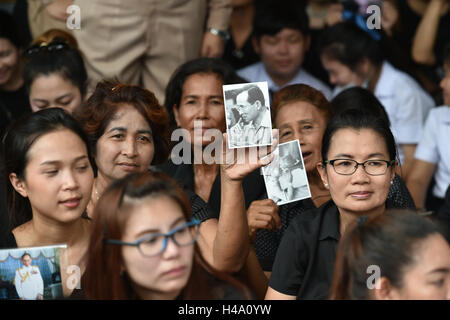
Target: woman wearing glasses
357, 167
149, 255
301, 112
55, 75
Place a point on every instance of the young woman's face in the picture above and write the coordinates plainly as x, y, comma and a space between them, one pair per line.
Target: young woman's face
359, 193
9, 58
302, 121
58, 177
339, 74
202, 101
126, 145
163, 275
53, 91
429, 277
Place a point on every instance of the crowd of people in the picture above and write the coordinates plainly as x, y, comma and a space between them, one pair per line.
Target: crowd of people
94, 123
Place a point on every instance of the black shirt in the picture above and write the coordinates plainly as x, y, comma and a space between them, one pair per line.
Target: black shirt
304, 262
253, 185
267, 242
16, 103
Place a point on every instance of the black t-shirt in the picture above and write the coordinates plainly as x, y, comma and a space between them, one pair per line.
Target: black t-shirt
304, 263
16, 103
267, 242
240, 58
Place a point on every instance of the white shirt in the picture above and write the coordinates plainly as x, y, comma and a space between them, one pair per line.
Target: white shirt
434, 147
29, 283
406, 104
257, 72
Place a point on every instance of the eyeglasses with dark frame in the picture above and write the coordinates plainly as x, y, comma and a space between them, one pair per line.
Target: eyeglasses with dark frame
348, 167
155, 244
55, 45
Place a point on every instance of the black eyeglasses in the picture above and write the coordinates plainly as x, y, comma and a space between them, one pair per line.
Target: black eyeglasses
348, 167
155, 244
44, 46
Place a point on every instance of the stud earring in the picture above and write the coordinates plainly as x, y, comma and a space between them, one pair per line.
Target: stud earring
326, 185
392, 182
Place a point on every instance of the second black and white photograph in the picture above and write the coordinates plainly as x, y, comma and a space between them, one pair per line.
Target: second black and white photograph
247, 110
285, 177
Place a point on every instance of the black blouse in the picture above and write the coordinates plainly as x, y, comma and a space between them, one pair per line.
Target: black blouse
267, 242
305, 259
253, 185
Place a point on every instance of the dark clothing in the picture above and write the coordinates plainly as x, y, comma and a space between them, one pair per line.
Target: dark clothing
253, 184
267, 242
443, 216
15, 103
8, 241
240, 58
305, 259
304, 262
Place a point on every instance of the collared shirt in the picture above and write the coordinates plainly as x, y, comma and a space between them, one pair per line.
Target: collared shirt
434, 147
304, 263
305, 258
250, 135
257, 72
267, 242
406, 104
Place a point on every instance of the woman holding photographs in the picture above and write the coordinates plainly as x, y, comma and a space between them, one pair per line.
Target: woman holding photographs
410, 254
301, 112
304, 262
127, 129
49, 183
150, 255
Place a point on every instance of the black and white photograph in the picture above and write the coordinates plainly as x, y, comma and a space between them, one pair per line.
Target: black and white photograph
285, 177
31, 273
247, 109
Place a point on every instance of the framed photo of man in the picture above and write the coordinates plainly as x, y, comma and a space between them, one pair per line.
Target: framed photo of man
285, 177
31, 273
248, 117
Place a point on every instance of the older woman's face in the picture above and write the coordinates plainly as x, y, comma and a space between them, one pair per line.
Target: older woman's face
358, 193
126, 145
201, 102
302, 121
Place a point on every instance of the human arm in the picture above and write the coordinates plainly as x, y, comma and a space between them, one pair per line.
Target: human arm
218, 18
57, 9
426, 33
273, 294
226, 241
419, 180
408, 159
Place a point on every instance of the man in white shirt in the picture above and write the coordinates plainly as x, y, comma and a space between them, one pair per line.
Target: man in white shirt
281, 38
28, 280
